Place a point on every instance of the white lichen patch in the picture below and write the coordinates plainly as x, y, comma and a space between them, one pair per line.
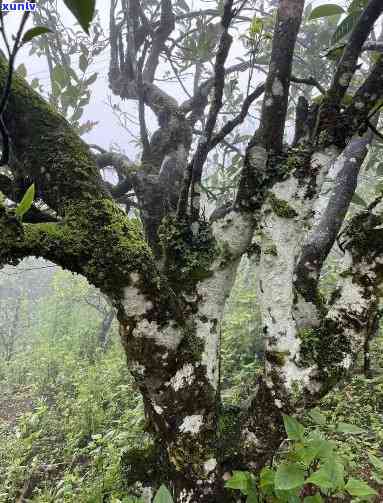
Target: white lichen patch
347, 362
276, 269
213, 293
183, 377
355, 302
296, 379
250, 438
210, 465
159, 410
290, 192
135, 303
277, 88
257, 157
351, 300
322, 162
137, 368
303, 311
233, 233
281, 241
186, 497
211, 346
147, 494
195, 228
170, 336
192, 424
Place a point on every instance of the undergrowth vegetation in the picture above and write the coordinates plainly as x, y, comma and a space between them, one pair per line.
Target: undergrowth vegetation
69, 410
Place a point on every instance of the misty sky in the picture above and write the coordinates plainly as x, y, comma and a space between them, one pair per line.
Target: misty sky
108, 131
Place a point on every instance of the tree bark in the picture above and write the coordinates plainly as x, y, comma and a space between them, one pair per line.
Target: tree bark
169, 281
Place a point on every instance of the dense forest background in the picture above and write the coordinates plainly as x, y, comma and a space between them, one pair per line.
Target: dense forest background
69, 409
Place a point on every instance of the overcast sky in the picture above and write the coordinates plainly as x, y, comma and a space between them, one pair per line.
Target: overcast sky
108, 131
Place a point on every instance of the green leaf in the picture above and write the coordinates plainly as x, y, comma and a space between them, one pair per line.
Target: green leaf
376, 462
56, 89
252, 496
357, 5
320, 478
294, 429
307, 454
34, 32
324, 447
293, 498
83, 63
26, 201
266, 478
326, 10
256, 26
358, 201
346, 427
242, 481
345, 27
72, 74
335, 53
77, 115
317, 416
163, 495
59, 75
359, 488
329, 476
35, 83
92, 79
83, 11
317, 498
289, 476
21, 70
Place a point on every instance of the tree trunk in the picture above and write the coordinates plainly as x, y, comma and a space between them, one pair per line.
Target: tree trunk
169, 282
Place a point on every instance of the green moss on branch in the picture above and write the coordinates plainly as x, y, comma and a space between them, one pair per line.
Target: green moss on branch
48, 150
281, 208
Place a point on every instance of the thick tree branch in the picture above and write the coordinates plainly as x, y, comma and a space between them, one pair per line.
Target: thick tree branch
95, 237
61, 165
323, 235
310, 81
161, 34
354, 309
365, 99
348, 62
199, 101
202, 151
274, 108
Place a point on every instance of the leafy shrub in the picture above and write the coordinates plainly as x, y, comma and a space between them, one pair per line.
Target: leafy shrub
310, 469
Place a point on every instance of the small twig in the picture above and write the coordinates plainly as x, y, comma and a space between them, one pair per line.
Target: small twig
7, 88
141, 104
230, 125
310, 81
216, 105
